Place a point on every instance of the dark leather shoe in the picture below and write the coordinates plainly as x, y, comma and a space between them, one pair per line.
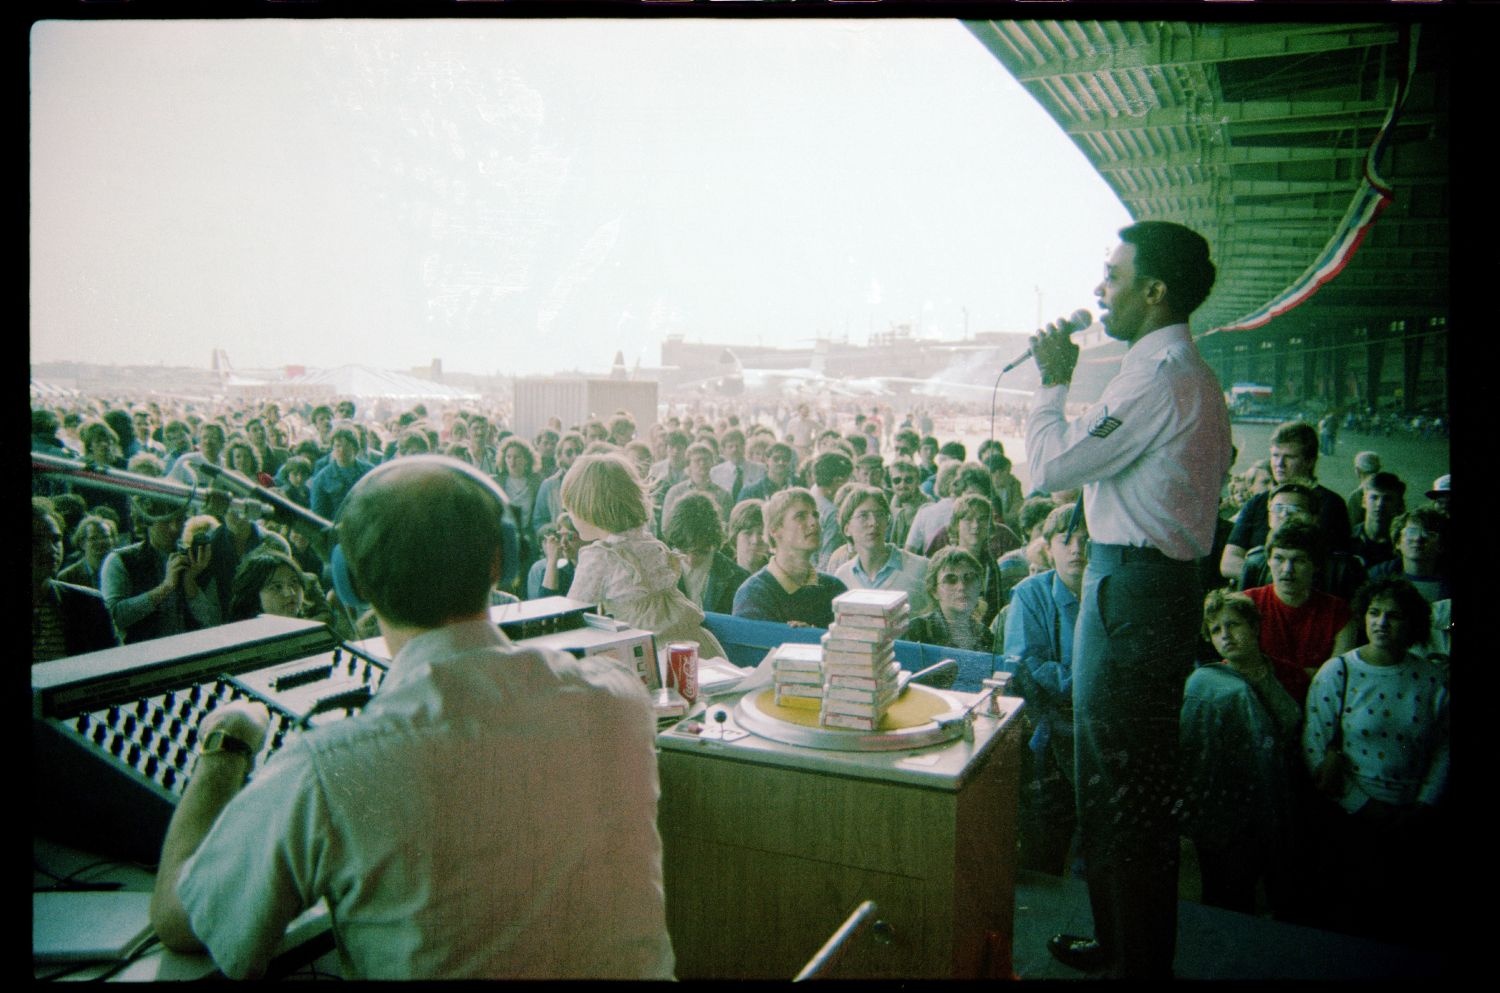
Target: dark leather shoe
1077, 952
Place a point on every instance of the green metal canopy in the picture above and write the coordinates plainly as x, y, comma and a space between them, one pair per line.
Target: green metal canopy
1264, 138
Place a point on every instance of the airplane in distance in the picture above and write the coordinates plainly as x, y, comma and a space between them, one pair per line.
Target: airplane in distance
733, 378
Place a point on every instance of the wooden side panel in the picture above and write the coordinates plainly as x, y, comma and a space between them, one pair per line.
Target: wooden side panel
738, 913
764, 863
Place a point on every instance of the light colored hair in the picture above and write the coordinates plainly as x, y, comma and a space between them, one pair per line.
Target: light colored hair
854, 494
781, 501
605, 491
92, 523
1222, 601
196, 525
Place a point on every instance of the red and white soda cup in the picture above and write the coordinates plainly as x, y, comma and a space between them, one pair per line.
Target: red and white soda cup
682, 669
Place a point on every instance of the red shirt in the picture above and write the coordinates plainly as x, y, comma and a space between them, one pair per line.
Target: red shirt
1298, 638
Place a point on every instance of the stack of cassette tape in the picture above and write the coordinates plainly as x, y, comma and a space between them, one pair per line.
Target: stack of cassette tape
797, 675
860, 671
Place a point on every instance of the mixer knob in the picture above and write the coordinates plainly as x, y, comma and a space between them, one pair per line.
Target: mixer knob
168, 777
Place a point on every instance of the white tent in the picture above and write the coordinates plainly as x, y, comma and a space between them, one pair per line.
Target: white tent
41, 390
362, 381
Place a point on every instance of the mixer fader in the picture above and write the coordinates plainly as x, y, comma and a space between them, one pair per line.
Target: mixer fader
116, 732
156, 736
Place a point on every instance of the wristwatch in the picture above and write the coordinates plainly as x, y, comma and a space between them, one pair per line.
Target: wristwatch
219, 740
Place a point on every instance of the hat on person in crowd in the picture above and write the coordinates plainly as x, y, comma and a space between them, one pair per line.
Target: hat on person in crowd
1440, 487
1367, 462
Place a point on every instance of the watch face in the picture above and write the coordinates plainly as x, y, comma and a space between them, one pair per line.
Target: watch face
221, 741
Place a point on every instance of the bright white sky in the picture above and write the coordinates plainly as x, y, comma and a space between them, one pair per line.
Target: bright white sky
522, 197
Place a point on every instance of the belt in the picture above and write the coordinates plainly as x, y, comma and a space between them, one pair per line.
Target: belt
1101, 552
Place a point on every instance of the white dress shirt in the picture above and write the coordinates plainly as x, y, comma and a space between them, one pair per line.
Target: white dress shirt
1150, 453
722, 475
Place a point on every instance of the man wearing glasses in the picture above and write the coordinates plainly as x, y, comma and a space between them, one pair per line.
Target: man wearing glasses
906, 499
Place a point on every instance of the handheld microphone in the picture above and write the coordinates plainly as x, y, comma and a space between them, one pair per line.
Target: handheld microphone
1073, 324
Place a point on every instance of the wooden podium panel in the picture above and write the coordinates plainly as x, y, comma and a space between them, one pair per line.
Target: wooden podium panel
769, 847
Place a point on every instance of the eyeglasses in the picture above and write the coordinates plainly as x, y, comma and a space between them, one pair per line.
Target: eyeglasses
953, 579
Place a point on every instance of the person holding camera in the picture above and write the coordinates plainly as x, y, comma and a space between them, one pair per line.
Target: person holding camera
155, 587
229, 544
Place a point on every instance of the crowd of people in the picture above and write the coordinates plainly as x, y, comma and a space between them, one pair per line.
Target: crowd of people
1313, 729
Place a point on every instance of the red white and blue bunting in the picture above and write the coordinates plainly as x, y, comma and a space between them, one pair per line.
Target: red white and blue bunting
1370, 200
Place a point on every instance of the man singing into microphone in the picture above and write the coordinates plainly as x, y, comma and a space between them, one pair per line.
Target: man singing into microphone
1150, 455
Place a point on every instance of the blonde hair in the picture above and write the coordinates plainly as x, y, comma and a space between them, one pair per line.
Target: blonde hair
605, 491
196, 525
781, 501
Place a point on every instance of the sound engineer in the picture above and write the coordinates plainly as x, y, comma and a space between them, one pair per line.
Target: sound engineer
490, 813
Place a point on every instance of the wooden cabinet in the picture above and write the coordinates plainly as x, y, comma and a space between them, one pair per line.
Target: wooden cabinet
770, 846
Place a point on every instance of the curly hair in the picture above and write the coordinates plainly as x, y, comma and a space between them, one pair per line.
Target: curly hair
1413, 605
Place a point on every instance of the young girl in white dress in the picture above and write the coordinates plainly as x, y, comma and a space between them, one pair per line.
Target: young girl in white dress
625, 569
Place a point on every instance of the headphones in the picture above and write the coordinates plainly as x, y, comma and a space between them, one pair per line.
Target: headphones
510, 534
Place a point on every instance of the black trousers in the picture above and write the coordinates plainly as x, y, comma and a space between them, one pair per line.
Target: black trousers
1137, 630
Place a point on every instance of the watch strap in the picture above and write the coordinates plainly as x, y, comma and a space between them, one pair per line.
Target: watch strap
219, 740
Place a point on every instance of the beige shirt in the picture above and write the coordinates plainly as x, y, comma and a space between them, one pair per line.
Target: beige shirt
491, 813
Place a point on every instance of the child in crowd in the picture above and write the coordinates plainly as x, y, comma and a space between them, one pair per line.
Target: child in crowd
628, 572
298, 470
